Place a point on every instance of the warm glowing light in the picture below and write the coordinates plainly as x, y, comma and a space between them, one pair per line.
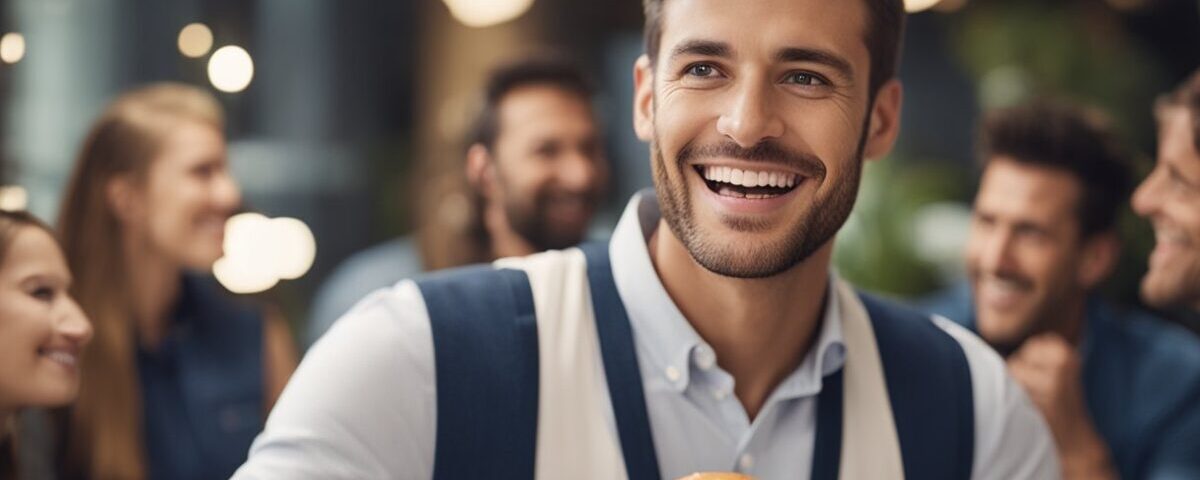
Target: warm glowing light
241, 277
914, 6
12, 47
950, 6
195, 40
13, 198
484, 13
295, 248
230, 69
261, 251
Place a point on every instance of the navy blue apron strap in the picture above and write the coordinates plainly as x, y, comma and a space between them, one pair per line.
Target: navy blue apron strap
486, 358
827, 449
929, 384
620, 366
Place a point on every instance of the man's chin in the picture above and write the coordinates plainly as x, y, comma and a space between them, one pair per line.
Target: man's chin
1006, 342
1164, 290
559, 242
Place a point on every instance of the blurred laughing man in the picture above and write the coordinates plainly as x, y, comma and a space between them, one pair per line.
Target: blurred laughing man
1119, 388
1170, 199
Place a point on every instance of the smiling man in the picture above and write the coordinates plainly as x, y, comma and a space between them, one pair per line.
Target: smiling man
1170, 199
709, 334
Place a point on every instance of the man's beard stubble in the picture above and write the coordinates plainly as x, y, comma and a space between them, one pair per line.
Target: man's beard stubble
822, 221
532, 222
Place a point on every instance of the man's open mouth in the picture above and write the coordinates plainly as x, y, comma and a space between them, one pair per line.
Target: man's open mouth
749, 184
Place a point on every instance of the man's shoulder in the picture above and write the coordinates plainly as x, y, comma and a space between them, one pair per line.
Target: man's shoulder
364, 272
923, 322
1162, 358
380, 265
953, 303
1155, 340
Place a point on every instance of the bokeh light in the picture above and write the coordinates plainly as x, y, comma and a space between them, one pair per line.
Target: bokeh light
914, 6
195, 40
296, 248
12, 47
484, 13
230, 69
261, 251
13, 197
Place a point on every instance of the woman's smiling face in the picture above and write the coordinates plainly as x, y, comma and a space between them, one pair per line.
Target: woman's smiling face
42, 329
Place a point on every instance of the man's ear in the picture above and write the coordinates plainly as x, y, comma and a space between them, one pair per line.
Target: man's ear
479, 169
1100, 254
643, 98
885, 120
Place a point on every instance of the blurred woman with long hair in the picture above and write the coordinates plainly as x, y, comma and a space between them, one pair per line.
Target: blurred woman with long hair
181, 375
42, 330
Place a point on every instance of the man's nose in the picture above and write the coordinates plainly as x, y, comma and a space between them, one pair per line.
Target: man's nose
750, 117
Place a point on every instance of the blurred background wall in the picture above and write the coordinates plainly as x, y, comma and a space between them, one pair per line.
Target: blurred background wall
353, 115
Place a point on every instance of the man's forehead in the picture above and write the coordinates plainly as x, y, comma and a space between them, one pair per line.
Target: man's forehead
752, 27
1008, 182
1177, 135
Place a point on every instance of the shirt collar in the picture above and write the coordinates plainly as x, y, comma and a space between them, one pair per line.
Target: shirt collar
670, 344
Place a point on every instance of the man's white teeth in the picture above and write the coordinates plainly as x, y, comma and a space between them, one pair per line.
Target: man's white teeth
749, 178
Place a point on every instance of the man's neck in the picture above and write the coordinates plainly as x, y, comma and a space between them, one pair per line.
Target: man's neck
760, 329
1073, 315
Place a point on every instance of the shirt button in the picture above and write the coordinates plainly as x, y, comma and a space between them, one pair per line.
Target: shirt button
720, 393
746, 462
704, 357
672, 374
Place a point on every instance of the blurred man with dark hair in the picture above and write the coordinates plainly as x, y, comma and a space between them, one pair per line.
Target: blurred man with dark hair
1119, 388
535, 168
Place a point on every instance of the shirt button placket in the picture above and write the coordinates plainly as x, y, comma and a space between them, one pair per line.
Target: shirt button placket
672, 374
704, 357
745, 463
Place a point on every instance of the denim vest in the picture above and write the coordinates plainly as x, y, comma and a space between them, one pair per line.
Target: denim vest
202, 389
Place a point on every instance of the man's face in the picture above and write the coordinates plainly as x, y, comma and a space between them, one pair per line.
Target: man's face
550, 165
1170, 199
756, 111
1024, 252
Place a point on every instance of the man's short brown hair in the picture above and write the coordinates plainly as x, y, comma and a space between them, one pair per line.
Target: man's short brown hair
1069, 137
885, 32
1186, 95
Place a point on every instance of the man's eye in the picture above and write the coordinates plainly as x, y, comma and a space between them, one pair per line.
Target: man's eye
807, 79
701, 70
1177, 180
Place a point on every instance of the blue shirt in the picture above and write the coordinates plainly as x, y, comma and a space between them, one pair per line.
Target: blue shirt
202, 388
1141, 379
363, 402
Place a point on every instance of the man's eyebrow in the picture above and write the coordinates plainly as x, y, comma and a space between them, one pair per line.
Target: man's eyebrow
706, 48
824, 57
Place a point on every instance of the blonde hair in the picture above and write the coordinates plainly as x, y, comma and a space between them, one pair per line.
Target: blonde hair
104, 428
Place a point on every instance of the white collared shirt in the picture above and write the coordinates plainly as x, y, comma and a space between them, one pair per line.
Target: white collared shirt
363, 402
